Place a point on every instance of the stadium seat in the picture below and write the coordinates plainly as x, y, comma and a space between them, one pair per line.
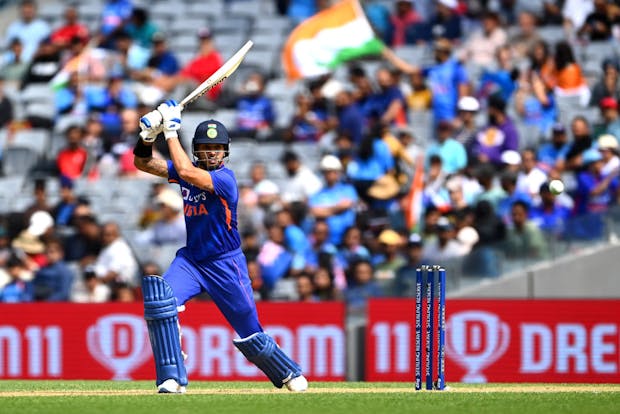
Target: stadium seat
18, 160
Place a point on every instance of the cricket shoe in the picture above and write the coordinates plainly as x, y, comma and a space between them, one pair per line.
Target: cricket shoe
297, 384
170, 386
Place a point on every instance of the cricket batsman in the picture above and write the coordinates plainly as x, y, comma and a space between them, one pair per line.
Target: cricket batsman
211, 261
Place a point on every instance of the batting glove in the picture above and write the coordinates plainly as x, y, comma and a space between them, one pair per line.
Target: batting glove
151, 125
171, 114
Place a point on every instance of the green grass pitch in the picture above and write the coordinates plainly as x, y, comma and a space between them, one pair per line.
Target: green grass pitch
138, 397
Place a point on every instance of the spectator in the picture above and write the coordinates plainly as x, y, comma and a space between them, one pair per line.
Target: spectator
536, 104
530, 178
524, 239
444, 246
336, 201
498, 136
595, 191
14, 66
552, 155
570, 80
363, 287
526, 37
71, 160
6, 107
324, 286
52, 283
91, 290
608, 147
114, 15
116, 261
70, 30
305, 288
512, 194
447, 80
43, 66
273, 258
169, 228
491, 192
500, 78
140, 28
582, 141
28, 28
350, 120
63, 210
598, 24
405, 280
608, 85
40, 202
352, 248
482, 45
85, 244
446, 22
452, 152
255, 112
324, 253
30, 241
421, 97
465, 126
550, 214
162, 60
542, 63
403, 19
17, 289
295, 239
307, 124
611, 118
302, 183
390, 259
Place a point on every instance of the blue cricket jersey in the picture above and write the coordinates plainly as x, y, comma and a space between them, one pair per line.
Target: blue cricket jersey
210, 217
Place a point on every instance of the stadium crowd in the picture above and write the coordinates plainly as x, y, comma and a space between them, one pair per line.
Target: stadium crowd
506, 110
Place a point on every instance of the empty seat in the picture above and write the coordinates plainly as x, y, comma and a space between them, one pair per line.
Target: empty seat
18, 160
37, 140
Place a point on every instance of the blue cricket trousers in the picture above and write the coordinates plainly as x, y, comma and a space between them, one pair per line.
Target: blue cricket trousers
225, 278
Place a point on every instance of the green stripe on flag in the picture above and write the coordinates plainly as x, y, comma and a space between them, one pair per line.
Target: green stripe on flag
372, 47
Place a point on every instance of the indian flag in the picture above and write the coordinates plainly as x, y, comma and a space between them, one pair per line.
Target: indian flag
327, 39
413, 200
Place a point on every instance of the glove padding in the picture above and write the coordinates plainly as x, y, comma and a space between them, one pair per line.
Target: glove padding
171, 114
151, 125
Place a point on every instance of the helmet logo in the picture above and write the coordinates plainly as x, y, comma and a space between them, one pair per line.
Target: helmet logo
211, 130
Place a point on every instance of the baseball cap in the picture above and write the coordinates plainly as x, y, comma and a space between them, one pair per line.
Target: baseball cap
558, 128
469, 104
289, 156
452, 4
608, 103
170, 198
158, 37
607, 141
414, 240
511, 157
266, 187
591, 155
205, 33
444, 224
40, 221
389, 237
330, 163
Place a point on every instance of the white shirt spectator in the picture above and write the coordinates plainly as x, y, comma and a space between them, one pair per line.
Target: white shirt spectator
116, 261
30, 33
301, 186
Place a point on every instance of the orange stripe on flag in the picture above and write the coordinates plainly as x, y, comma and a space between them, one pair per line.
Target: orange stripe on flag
332, 17
413, 201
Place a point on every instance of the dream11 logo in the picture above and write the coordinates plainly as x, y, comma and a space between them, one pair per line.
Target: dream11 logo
476, 340
120, 343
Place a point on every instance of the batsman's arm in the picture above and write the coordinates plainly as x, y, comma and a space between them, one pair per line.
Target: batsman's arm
185, 168
144, 161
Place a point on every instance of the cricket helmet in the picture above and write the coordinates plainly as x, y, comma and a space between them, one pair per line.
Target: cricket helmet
211, 132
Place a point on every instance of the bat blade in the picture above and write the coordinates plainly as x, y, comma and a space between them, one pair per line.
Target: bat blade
219, 75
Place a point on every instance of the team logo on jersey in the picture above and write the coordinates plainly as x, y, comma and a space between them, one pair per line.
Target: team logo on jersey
212, 130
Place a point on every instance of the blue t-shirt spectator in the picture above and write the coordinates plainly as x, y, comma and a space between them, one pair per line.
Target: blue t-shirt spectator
444, 80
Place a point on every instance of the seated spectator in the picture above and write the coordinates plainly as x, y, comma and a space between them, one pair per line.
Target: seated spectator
530, 177
169, 227
52, 283
63, 210
154, 80
598, 24
582, 141
123, 292
255, 112
550, 214
116, 261
350, 120
29, 28
465, 126
446, 22
452, 152
325, 288
13, 67
523, 41
541, 62
390, 259
512, 194
570, 80
389, 106
43, 66
352, 248
140, 27
609, 84
85, 244
323, 253
500, 78
335, 202
421, 97
402, 19
273, 258
362, 288
114, 15
70, 29
301, 183
404, 284
498, 136
305, 288
444, 246
552, 155
611, 118
91, 290
482, 45
609, 148
31, 241
524, 239
295, 239
307, 124
6, 107
17, 289
71, 160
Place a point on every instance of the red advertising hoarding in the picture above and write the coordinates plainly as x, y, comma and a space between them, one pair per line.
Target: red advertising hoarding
110, 341
502, 341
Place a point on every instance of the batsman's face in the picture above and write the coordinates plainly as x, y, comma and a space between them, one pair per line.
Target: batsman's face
210, 156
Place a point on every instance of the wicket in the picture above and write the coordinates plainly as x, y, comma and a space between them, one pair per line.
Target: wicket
434, 278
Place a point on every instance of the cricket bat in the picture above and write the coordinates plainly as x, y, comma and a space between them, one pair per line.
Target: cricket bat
227, 69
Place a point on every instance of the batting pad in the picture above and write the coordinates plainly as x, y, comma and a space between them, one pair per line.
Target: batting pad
160, 313
260, 349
